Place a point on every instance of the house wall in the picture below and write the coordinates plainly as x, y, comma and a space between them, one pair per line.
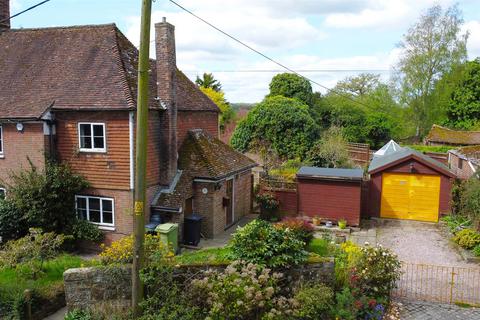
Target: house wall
20, 147
330, 199
375, 186
466, 172
210, 205
188, 120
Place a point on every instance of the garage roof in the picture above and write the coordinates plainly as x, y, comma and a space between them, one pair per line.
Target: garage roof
383, 162
330, 173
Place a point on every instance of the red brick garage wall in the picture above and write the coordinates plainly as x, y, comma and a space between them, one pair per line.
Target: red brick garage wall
330, 199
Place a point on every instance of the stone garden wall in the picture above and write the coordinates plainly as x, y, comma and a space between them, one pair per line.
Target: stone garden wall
97, 286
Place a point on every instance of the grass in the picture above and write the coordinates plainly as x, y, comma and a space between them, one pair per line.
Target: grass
322, 247
13, 283
213, 256
422, 148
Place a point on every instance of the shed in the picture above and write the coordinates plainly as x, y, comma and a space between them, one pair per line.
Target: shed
407, 184
328, 193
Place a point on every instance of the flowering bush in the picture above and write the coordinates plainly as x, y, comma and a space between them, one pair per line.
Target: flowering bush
314, 302
347, 256
376, 272
121, 251
241, 292
268, 204
303, 229
261, 243
467, 238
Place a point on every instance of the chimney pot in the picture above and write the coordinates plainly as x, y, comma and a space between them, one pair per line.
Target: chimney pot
164, 19
4, 15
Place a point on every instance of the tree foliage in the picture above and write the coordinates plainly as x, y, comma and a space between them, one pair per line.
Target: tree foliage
46, 198
291, 86
283, 122
432, 47
360, 85
208, 81
331, 150
218, 97
463, 109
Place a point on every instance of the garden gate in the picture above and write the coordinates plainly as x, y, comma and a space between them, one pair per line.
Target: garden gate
444, 284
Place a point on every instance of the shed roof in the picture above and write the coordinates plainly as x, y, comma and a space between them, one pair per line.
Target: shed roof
444, 135
380, 163
92, 67
330, 173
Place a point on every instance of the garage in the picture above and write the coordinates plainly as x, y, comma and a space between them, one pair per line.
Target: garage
406, 184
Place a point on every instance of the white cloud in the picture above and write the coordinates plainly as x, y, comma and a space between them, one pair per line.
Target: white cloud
473, 44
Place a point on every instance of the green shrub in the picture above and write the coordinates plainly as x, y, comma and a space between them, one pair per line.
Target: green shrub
303, 229
315, 302
476, 250
240, 292
456, 222
375, 272
467, 238
346, 258
322, 247
261, 243
268, 205
470, 199
46, 198
84, 230
345, 308
12, 224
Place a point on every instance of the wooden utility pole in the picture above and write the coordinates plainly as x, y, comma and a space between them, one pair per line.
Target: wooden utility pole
141, 155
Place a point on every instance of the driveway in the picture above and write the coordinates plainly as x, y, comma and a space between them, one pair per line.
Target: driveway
419, 242
435, 311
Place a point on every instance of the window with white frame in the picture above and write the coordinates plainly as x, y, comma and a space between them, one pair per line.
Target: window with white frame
3, 192
92, 137
98, 210
1, 140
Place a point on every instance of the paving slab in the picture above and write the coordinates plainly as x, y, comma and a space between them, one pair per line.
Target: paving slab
435, 311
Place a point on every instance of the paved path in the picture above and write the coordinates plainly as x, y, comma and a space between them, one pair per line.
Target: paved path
419, 242
432, 311
59, 315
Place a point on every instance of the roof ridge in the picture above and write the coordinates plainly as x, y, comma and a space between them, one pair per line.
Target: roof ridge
195, 134
455, 130
73, 27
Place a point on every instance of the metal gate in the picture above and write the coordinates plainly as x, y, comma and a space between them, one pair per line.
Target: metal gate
439, 284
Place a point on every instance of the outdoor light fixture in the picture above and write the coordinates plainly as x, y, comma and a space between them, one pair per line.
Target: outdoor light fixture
19, 126
411, 167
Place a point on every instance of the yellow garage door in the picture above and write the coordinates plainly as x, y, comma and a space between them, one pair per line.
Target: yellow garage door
410, 196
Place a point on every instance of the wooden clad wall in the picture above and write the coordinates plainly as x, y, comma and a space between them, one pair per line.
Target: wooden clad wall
110, 170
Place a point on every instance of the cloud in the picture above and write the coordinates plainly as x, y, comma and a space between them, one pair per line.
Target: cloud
473, 44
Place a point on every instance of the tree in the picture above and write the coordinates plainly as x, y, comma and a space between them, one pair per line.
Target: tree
463, 108
218, 97
431, 48
208, 81
360, 85
331, 150
291, 86
283, 122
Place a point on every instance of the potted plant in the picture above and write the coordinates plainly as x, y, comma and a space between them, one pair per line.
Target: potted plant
342, 223
316, 220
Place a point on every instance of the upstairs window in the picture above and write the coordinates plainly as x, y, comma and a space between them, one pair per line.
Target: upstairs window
1, 140
97, 210
92, 137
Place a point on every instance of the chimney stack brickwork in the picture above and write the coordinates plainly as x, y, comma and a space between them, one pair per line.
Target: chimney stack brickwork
166, 90
4, 15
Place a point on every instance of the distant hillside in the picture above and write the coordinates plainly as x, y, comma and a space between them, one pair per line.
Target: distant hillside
240, 105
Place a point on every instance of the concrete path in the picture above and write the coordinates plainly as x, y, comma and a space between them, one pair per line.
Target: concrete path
433, 311
419, 242
59, 315
222, 239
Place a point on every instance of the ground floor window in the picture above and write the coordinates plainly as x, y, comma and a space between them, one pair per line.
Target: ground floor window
98, 210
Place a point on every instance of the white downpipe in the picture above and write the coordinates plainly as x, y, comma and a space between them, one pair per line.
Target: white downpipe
131, 144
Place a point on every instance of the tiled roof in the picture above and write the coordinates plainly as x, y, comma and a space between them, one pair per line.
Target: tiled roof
444, 135
183, 190
77, 68
204, 156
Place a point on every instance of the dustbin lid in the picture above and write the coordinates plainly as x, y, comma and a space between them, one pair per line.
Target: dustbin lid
166, 227
194, 217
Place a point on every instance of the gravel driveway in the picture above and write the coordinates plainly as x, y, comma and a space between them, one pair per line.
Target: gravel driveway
419, 242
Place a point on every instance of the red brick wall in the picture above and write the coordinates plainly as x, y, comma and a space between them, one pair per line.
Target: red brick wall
330, 199
375, 186
187, 120
18, 147
287, 198
465, 173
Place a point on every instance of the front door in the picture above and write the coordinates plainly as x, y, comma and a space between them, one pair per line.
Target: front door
229, 208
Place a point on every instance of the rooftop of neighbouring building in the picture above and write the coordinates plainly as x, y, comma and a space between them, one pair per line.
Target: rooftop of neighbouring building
439, 134
330, 173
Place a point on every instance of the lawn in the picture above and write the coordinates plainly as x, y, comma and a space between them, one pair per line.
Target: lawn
13, 283
318, 248
423, 148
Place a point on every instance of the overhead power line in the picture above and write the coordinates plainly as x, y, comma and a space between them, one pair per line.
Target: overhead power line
22, 12
264, 55
298, 70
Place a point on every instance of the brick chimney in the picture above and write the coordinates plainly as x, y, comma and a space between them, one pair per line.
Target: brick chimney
166, 90
4, 15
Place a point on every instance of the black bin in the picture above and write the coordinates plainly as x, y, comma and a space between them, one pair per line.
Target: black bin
191, 229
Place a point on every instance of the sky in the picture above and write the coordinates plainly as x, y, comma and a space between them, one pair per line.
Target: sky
325, 40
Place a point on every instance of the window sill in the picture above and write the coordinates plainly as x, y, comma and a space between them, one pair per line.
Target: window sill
106, 228
2, 156
92, 151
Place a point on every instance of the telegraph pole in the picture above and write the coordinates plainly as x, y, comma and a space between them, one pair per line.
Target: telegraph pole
141, 156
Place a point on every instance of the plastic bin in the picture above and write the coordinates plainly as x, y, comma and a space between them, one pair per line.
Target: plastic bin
168, 234
191, 229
